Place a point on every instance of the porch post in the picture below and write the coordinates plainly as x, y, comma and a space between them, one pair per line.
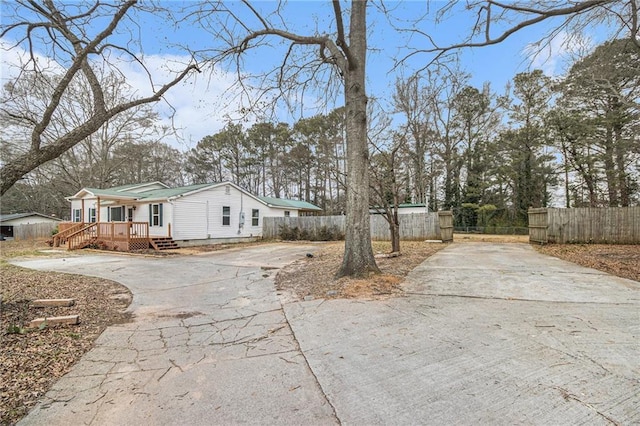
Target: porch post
82, 211
98, 217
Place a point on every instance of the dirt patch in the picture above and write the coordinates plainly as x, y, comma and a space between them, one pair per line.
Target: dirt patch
313, 277
619, 260
31, 360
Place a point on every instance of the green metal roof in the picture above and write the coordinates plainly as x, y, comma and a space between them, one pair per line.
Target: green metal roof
294, 204
110, 192
171, 192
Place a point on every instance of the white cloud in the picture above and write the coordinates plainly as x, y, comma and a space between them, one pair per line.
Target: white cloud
200, 105
13, 58
554, 55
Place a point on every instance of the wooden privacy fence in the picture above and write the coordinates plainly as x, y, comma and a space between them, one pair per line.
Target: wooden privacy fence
612, 225
446, 225
33, 230
414, 226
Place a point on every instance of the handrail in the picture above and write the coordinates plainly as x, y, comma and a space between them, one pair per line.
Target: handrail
62, 236
81, 236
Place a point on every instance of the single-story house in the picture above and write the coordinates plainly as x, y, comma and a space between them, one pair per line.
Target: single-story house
190, 215
404, 208
9, 221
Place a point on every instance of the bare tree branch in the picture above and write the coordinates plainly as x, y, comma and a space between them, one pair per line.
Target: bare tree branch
23, 164
65, 35
525, 16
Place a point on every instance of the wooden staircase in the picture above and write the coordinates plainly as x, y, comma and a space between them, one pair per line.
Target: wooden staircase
61, 237
83, 237
163, 243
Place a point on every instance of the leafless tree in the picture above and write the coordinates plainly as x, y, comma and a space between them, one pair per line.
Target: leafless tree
77, 40
337, 52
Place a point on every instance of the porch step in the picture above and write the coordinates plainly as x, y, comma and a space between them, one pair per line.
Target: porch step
163, 243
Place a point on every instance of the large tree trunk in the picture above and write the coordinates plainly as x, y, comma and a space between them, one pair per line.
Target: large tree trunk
358, 258
394, 227
610, 171
623, 184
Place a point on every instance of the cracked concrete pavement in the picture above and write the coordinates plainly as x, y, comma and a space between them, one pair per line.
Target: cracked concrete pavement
484, 334
209, 344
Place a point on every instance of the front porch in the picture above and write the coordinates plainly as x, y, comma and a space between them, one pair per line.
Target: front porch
118, 236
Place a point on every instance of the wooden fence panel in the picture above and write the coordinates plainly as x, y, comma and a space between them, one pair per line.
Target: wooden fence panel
614, 225
538, 225
446, 226
414, 226
32, 231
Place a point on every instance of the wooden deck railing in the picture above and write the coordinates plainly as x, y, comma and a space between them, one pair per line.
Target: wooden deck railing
122, 230
123, 236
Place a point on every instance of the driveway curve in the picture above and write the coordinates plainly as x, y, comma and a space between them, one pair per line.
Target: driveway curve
484, 334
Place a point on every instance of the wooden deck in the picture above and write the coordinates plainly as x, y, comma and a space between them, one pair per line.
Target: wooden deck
119, 236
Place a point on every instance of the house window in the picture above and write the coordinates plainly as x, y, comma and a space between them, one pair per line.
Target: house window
255, 217
155, 214
226, 215
287, 213
116, 214
77, 214
92, 215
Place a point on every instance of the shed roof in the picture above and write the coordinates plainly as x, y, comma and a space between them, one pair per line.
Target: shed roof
294, 204
13, 216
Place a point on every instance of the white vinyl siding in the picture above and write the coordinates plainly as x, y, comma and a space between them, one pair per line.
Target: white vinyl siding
190, 220
189, 224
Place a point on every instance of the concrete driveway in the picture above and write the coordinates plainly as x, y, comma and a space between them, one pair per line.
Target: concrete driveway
486, 333
209, 345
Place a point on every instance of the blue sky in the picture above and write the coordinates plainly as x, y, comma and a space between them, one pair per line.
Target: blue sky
203, 103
